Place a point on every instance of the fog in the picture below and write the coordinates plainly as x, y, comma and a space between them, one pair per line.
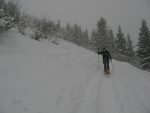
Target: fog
86, 13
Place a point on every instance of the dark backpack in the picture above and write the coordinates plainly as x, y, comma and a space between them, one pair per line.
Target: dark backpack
106, 56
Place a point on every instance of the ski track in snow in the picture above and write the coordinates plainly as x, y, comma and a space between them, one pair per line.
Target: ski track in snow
108, 95
67, 79
103, 95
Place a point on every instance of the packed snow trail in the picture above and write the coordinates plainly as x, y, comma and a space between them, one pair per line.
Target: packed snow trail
41, 77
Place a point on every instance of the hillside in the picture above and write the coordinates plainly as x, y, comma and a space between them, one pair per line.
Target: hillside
42, 77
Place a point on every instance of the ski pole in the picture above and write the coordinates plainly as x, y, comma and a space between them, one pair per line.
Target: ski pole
112, 65
98, 54
98, 57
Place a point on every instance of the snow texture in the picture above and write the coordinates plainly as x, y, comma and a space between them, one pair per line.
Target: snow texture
41, 77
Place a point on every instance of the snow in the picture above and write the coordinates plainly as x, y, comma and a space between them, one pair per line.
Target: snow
41, 77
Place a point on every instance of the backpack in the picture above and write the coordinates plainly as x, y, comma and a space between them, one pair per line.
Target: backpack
106, 56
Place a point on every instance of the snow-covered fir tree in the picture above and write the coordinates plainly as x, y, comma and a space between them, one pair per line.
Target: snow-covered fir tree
120, 42
9, 14
92, 40
110, 41
129, 48
6, 22
85, 39
101, 37
143, 51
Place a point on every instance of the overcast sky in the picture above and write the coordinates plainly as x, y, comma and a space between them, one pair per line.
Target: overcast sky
86, 13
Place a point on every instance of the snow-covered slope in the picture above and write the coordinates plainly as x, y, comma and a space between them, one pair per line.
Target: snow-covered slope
41, 77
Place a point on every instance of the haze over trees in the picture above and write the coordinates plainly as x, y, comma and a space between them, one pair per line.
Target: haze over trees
119, 44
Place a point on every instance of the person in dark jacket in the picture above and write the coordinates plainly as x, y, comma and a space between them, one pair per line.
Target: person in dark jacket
106, 57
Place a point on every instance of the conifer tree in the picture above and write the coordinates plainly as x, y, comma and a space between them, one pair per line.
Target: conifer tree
143, 51
130, 51
92, 40
101, 33
85, 39
102, 36
120, 42
77, 32
66, 33
110, 41
2, 4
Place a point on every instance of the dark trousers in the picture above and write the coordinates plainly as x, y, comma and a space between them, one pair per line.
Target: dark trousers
106, 66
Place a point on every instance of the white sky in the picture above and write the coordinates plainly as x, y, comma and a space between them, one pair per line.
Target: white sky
127, 13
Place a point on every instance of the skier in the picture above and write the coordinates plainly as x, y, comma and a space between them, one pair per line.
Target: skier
106, 57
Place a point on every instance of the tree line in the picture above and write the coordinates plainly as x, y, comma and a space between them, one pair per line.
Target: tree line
119, 44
